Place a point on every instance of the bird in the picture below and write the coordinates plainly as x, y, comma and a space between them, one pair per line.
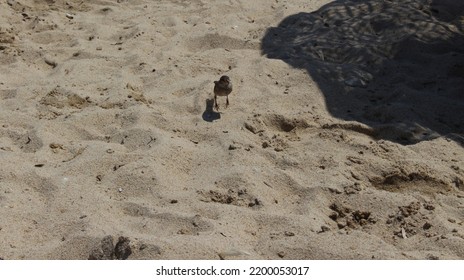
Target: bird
223, 87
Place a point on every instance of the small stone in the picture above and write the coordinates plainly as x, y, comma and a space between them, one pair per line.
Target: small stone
289, 233
255, 202
105, 250
120, 190
325, 228
427, 226
51, 62
265, 145
281, 254
122, 250
174, 201
403, 233
341, 225
232, 147
334, 216
55, 146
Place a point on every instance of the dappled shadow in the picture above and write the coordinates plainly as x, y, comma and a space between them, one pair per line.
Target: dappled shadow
397, 66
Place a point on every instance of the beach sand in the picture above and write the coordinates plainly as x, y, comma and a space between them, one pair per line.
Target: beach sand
344, 138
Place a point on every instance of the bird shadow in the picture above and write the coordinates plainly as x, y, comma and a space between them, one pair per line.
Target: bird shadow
396, 66
209, 115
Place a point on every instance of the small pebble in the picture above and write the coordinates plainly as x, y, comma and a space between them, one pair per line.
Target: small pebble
427, 226
325, 228
289, 233
51, 62
122, 250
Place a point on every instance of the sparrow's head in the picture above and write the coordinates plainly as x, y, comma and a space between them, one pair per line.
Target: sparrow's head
224, 80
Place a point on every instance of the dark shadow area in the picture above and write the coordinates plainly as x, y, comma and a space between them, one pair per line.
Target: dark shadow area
397, 66
209, 115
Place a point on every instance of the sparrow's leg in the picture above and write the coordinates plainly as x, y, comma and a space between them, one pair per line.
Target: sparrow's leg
215, 103
227, 101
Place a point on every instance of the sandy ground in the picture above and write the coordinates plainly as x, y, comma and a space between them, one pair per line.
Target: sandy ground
343, 138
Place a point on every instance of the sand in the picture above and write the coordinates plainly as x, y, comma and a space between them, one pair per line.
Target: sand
344, 138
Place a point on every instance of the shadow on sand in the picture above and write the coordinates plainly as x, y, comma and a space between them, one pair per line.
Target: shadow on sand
209, 115
396, 66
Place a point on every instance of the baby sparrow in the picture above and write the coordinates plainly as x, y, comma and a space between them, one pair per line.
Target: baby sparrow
223, 87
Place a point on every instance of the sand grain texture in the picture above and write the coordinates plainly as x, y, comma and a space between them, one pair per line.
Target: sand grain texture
344, 137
